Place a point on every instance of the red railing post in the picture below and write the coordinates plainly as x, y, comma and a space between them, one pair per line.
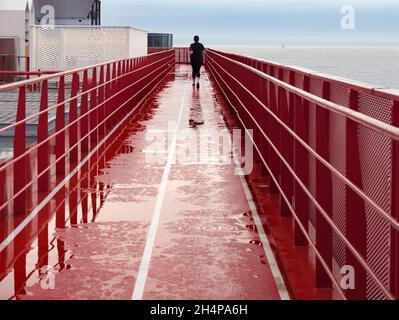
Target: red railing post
323, 194
73, 116
93, 110
101, 111
124, 84
356, 224
113, 91
394, 260
264, 148
3, 192
273, 158
43, 153
84, 121
4, 68
119, 84
60, 126
108, 90
20, 177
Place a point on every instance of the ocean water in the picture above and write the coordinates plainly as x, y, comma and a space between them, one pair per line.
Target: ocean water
377, 66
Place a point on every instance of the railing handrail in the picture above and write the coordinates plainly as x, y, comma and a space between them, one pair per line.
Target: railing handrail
28, 73
17, 85
370, 122
226, 71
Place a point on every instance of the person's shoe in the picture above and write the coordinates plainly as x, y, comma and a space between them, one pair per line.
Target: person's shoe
198, 85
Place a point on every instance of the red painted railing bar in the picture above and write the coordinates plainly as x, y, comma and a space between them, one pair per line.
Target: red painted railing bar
101, 97
285, 145
84, 107
27, 73
263, 146
231, 64
113, 89
108, 87
19, 149
302, 156
93, 119
43, 152
59, 128
158, 72
273, 160
73, 116
356, 224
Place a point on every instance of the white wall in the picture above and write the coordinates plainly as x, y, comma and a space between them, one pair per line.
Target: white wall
138, 43
68, 47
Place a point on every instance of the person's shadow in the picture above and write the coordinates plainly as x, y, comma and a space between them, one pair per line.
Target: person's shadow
196, 117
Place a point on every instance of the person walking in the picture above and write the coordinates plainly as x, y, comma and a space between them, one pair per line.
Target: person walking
197, 59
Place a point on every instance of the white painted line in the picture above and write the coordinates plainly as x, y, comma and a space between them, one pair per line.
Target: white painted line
51, 195
278, 278
142, 275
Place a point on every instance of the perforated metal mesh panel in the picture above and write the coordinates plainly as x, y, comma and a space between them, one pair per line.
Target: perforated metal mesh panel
375, 153
69, 47
338, 160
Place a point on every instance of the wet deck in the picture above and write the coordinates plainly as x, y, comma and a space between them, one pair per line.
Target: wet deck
124, 228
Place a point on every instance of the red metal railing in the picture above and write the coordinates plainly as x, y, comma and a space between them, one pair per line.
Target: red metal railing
373, 101
332, 152
99, 98
331, 149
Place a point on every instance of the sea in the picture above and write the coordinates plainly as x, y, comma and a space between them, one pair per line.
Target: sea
376, 66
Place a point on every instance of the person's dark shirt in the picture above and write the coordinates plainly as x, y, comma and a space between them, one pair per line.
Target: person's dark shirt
197, 55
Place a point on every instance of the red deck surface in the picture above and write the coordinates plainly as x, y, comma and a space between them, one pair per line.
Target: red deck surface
125, 229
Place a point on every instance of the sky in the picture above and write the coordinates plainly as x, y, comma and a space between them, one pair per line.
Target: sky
261, 22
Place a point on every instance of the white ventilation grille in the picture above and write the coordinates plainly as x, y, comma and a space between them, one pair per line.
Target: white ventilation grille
68, 47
